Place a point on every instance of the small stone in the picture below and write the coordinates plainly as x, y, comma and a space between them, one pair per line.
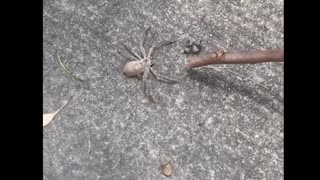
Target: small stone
187, 50
166, 169
195, 49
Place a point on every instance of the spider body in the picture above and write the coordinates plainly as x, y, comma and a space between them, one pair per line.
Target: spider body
134, 68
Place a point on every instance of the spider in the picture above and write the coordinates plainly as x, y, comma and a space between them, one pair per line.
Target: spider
142, 66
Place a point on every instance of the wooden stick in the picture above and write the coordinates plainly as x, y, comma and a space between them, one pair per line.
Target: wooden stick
220, 57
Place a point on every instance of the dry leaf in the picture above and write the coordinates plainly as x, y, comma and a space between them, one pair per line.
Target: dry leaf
166, 169
47, 118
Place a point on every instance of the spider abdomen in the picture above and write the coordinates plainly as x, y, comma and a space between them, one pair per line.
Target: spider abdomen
133, 68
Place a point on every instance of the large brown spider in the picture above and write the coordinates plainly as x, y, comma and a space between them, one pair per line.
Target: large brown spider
141, 65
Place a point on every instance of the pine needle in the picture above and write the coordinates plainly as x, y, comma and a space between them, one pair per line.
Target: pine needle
67, 70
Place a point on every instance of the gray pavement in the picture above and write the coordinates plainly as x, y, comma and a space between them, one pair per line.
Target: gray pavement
211, 125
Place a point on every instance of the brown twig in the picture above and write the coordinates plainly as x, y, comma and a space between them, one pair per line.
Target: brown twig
221, 57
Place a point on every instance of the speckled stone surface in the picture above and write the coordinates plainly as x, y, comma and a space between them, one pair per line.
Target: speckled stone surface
213, 124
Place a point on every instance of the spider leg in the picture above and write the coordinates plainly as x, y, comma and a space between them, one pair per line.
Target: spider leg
165, 43
143, 52
131, 51
150, 52
145, 85
143, 40
125, 54
161, 44
161, 78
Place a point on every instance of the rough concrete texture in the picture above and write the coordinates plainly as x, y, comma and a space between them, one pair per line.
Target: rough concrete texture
211, 125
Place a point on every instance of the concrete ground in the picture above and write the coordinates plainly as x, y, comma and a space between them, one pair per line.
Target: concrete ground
211, 125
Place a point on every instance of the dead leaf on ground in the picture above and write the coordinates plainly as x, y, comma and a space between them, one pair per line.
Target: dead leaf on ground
47, 118
166, 169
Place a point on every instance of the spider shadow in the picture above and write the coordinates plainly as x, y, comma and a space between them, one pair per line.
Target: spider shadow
221, 83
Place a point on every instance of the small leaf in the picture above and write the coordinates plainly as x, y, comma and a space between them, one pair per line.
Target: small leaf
47, 118
166, 169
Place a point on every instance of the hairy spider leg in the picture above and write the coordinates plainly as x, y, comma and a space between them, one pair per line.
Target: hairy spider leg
143, 40
126, 54
161, 44
145, 85
161, 78
132, 52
